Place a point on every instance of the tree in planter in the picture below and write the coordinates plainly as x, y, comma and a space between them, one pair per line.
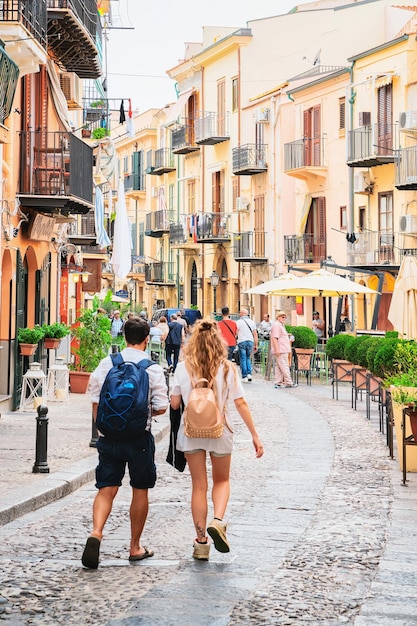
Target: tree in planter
92, 334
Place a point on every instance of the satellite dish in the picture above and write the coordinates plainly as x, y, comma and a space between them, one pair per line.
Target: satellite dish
316, 60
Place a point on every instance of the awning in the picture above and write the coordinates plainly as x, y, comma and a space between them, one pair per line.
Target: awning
176, 108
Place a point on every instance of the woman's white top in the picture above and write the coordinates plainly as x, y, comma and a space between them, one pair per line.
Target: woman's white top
231, 391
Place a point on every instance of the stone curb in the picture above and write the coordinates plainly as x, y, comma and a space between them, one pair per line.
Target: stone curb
57, 485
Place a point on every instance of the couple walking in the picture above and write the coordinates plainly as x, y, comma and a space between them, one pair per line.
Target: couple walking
206, 357
244, 334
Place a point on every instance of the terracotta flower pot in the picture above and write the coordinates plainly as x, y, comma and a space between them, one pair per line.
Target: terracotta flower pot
27, 349
79, 381
51, 344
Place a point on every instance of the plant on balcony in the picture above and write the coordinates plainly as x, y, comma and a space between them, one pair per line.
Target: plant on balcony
100, 133
86, 131
97, 104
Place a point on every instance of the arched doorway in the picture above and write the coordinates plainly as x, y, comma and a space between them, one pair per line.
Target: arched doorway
193, 285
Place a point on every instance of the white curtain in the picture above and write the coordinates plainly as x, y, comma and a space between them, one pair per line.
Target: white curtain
58, 97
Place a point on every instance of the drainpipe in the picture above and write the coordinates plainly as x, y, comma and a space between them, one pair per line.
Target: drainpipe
351, 195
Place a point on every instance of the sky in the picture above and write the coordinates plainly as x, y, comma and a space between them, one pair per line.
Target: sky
152, 39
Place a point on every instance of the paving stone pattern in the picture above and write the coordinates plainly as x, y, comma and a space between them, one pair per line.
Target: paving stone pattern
319, 531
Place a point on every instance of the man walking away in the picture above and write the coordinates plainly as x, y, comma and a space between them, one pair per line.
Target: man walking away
228, 330
137, 452
247, 341
173, 342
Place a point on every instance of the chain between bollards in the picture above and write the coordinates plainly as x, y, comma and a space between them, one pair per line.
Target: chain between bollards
41, 463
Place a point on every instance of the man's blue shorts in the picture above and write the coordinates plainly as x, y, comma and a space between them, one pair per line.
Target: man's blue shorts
139, 455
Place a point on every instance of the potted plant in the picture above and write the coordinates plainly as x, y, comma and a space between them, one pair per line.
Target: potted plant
99, 133
86, 131
305, 342
92, 340
28, 339
53, 333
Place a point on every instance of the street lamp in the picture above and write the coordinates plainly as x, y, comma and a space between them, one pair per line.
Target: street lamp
331, 267
131, 284
214, 279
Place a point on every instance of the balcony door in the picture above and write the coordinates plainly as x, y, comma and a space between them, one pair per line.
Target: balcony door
312, 136
315, 233
386, 229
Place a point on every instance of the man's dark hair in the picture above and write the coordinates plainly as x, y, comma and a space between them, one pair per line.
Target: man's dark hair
136, 330
225, 310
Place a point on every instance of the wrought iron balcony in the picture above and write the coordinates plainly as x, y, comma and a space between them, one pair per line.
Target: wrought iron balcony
9, 73
183, 234
72, 36
249, 247
406, 168
211, 228
183, 139
210, 128
160, 273
249, 159
82, 231
56, 172
163, 162
305, 157
23, 24
157, 223
369, 146
372, 248
305, 248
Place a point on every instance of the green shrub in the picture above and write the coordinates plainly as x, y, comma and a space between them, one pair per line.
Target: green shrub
362, 350
94, 340
384, 361
391, 334
304, 337
335, 346
406, 357
374, 346
99, 133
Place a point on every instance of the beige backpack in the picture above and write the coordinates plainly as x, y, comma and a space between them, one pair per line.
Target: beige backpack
202, 416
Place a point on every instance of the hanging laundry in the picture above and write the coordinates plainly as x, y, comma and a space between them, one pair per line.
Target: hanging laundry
122, 117
130, 125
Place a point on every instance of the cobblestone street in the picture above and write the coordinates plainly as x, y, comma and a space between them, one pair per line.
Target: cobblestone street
320, 530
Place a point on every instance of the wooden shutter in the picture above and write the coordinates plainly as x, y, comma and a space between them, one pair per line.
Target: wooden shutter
317, 135
307, 137
385, 120
221, 107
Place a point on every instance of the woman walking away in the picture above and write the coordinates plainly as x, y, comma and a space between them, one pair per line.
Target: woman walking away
206, 357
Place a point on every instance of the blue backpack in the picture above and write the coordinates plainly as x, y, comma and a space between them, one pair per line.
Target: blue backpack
123, 408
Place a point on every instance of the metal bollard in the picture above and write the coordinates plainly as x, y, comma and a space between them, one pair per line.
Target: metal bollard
41, 463
94, 433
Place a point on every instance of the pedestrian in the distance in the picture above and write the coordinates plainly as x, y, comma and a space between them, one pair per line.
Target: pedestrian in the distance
137, 453
281, 348
206, 357
116, 328
228, 330
173, 342
318, 326
247, 341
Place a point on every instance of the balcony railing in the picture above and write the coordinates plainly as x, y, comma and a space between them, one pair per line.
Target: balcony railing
369, 146
306, 153
157, 223
249, 159
210, 128
211, 228
160, 273
163, 162
82, 232
184, 232
183, 139
406, 168
56, 172
72, 33
135, 182
305, 248
249, 247
32, 14
376, 247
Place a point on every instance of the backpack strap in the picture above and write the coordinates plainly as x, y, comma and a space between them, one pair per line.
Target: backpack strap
145, 363
117, 358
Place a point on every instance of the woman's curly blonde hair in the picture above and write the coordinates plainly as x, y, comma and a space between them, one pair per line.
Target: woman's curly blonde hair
206, 350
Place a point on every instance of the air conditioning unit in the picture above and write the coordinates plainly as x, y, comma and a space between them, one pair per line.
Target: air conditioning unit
408, 121
242, 204
71, 86
262, 115
154, 192
408, 224
363, 183
364, 118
